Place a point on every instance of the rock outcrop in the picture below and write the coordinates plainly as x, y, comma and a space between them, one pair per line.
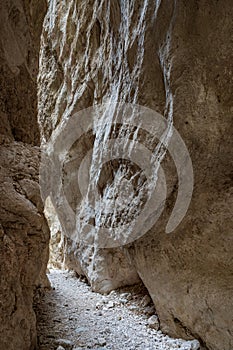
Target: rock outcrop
57, 242
176, 58
24, 233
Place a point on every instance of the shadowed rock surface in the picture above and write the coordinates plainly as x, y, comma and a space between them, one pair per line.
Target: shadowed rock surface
24, 234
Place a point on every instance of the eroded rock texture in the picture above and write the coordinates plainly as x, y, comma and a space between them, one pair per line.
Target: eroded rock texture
24, 232
57, 239
176, 58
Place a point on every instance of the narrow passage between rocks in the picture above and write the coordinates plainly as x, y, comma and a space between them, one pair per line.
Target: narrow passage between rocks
71, 316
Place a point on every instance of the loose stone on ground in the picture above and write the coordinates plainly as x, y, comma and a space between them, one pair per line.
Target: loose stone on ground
71, 316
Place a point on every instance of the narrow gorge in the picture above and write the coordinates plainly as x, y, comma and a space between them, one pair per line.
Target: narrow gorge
116, 174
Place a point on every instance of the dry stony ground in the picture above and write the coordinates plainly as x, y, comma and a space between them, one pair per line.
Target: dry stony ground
71, 316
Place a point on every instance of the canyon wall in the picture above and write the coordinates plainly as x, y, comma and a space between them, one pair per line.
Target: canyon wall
174, 57
24, 234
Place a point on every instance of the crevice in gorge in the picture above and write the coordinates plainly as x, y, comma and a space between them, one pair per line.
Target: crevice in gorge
73, 317
190, 334
116, 155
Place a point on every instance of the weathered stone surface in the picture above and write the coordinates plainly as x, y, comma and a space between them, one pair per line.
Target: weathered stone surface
153, 322
57, 240
175, 58
20, 27
23, 244
24, 231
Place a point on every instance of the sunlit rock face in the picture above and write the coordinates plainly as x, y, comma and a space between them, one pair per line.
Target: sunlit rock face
175, 58
57, 240
24, 233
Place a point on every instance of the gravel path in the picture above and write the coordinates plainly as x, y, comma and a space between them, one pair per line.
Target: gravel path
71, 316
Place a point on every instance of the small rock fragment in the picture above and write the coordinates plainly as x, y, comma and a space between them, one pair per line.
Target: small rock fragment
110, 304
67, 344
98, 305
153, 322
127, 296
112, 293
149, 310
60, 348
123, 300
195, 345
133, 307
101, 341
80, 329
108, 330
146, 300
190, 345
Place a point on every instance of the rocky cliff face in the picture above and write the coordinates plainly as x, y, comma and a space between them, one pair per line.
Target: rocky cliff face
24, 233
174, 57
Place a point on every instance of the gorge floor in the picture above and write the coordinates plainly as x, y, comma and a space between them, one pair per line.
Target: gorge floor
71, 316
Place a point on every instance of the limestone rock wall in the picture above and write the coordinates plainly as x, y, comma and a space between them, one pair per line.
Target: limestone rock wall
24, 231
176, 58
57, 239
